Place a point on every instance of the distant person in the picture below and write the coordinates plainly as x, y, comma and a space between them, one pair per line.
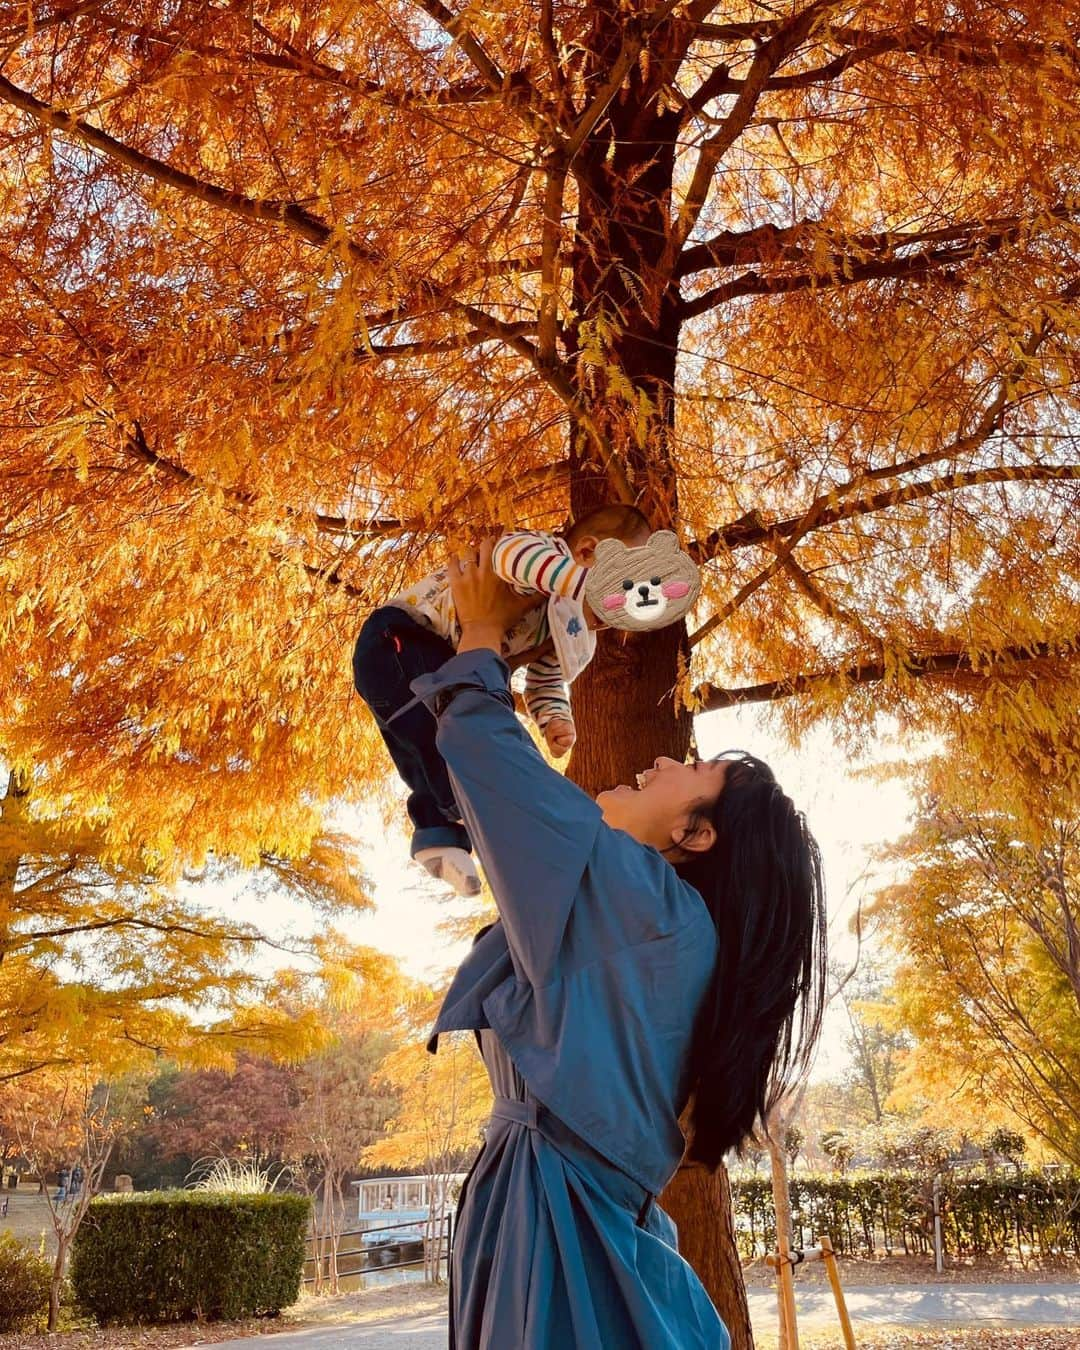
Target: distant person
659, 948
76, 1179
62, 1187
418, 630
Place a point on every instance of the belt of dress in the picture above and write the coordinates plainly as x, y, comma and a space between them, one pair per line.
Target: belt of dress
535, 1116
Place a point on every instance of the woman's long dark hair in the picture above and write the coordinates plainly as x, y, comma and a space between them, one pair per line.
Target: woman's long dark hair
760, 1021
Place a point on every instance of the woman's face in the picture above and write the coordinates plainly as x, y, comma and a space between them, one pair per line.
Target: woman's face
660, 809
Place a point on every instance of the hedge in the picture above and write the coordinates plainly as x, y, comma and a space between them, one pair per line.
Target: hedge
169, 1256
24, 1284
1023, 1213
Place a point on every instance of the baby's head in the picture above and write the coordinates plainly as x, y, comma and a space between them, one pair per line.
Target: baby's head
617, 521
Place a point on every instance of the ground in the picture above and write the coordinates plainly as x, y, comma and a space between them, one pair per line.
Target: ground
862, 1271
398, 1308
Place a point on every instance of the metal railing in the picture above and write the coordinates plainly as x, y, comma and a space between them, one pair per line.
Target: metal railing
371, 1257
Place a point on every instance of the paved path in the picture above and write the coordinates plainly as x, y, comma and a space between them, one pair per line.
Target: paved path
888, 1304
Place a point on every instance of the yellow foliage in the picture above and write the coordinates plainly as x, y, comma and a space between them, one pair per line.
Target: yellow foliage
988, 980
444, 1100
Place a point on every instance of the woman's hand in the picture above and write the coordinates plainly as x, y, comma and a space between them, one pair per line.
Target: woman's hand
486, 606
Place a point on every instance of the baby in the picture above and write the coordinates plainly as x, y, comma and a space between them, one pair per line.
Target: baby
416, 631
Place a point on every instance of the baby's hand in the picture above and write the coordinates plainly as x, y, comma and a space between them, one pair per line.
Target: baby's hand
560, 736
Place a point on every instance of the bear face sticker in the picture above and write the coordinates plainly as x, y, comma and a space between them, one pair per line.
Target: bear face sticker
642, 588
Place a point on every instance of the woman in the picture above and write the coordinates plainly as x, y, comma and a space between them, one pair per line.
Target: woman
652, 950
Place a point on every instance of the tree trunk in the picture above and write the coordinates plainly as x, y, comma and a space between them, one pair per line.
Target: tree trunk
56, 1284
700, 1203
785, 1228
626, 313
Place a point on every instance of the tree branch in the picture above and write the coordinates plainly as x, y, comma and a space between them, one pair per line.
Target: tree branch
917, 41
708, 697
771, 54
454, 26
865, 45
292, 60
770, 243
435, 346
315, 231
846, 272
828, 606
284, 214
379, 528
24, 939
751, 529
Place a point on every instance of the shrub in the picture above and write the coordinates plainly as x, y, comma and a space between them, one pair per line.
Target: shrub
170, 1256
865, 1211
24, 1284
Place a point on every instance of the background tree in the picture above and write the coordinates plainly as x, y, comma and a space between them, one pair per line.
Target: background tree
343, 1105
91, 936
875, 1042
443, 1100
985, 922
66, 1118
838, 1148
249, 1110
292, 292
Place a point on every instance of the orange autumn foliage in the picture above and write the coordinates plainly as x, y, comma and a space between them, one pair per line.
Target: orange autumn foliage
291, 293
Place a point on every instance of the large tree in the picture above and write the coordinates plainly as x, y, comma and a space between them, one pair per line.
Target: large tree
292, 291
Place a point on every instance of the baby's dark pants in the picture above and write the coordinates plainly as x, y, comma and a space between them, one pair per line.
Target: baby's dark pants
391, 651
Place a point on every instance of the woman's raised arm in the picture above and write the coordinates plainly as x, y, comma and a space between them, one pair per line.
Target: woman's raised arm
533, 830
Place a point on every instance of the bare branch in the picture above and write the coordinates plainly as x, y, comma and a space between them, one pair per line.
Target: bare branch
751, 529
287, 215
947, 664
771, 243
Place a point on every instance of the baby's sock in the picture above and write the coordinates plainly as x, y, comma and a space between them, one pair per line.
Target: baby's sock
452, 865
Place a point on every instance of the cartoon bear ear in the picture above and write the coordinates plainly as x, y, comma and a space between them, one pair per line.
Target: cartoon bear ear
607, 550
665, 541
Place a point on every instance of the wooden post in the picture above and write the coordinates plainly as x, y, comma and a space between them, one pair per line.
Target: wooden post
783, 1264
787, 1301
829, 1257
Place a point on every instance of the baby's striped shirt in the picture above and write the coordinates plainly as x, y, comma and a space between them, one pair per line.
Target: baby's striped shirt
532, 562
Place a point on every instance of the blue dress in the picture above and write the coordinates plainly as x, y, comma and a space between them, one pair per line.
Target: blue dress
584, 997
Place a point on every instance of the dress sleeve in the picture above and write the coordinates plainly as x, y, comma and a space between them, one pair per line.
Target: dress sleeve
532, 829
531, 562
